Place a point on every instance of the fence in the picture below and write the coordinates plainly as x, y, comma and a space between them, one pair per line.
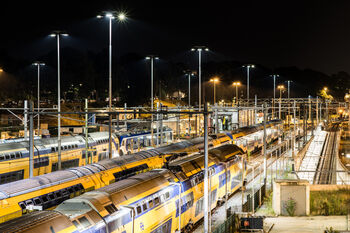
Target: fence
231, 225
258, 198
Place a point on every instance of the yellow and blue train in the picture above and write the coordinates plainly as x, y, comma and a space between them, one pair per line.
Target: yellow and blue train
48, 190
148, 202
14, 157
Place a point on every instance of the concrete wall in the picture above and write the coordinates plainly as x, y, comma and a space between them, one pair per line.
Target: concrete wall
298, 190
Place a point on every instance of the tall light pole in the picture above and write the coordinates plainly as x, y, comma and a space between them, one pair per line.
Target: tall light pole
58, 34
189, 74
199, 49
214, 81
111, 15
281, 88
248, 66
38, 64
274, 76
236, 84
152, 58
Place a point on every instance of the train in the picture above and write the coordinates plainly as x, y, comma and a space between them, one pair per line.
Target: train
48, 190
14, 156
159, 201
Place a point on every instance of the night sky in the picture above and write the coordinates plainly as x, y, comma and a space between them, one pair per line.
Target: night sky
306, 34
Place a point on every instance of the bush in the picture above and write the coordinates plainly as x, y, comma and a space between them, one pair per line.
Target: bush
330, 202
290, 206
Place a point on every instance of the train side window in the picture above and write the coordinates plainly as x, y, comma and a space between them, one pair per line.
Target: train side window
18, 155
12, 156
44, 198
156, 201
2, 157
7, 156
37, 201
22, 205
167, 195
150, 204
29, 202
138, 210
76, 224
65, 147
84, 221
51, 196
144, 206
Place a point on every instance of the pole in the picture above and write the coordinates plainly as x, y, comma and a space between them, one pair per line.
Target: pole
237, 95
214, 93
274, 96
59, 103
288, 86
200, 79
157, 135
264, 145
110, 90
216, 119
248, 83
279, 108
255, 106
152, 83
253, 190
189, 89
86, 133
294, 129
206, 160
25, 121
31, 141
317, 121
38, 98
242, 188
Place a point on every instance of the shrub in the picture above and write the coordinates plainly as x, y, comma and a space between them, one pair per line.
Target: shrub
290, 206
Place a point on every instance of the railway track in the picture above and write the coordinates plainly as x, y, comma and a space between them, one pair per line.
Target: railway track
326, 168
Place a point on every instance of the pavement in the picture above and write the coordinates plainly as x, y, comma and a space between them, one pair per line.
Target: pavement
314, 224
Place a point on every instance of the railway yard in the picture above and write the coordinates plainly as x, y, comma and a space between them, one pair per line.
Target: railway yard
93, 192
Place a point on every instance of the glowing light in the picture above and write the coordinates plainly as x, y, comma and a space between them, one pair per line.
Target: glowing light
121, 16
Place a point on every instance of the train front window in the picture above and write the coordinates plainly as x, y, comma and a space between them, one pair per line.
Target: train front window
84, 221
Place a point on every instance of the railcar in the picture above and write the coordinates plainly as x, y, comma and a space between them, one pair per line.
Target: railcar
14, 157
147, 202
49, 190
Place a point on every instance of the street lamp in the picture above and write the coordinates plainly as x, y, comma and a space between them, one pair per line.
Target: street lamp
189, 74
274, 76
1, 70
214, 80
58, 34
236, 84
248, 66
152, 58
110, 15
199, 49
281, 88
38, 64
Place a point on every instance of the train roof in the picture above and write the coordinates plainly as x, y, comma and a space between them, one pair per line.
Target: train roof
13, 146
28, 185
39, 182
37, 222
